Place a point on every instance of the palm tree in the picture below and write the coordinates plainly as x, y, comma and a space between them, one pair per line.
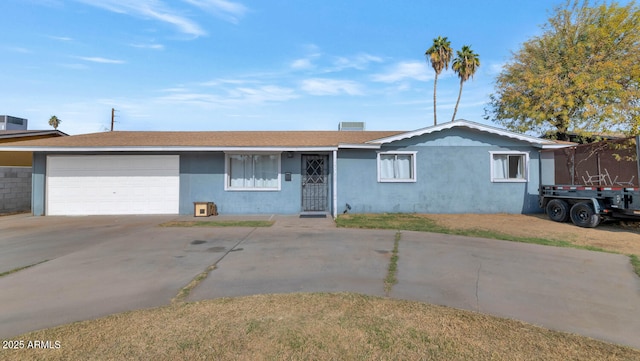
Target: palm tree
54, 122
439, 55
465, 65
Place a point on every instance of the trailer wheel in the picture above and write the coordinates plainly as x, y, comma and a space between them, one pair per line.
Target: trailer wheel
582, 215
558, 210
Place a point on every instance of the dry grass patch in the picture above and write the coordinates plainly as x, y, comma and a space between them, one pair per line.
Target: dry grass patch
615, 237
312, 326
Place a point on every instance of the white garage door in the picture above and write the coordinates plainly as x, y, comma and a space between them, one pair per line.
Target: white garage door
113, 184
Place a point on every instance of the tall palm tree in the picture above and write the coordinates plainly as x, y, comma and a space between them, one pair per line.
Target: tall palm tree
54, 122
439, 55
465, 65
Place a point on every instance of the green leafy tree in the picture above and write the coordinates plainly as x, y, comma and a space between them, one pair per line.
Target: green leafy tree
54, 122
465, 65
439, 56
581, 75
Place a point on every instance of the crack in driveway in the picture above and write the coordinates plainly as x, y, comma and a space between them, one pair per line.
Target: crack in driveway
186, 290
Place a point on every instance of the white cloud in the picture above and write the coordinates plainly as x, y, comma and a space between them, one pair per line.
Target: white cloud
359, 61
96, 59
301, 64
60, 38
191, 98
154, 9
338, 63
496, 68
236, 97
148, 46
306, 63
19, 50
228, 10
185, 25
267, 93
312, 49
159, 10
177, 89
219, 82
406, 70
323, 86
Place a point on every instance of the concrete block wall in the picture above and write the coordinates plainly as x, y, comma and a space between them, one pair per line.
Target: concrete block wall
15, 189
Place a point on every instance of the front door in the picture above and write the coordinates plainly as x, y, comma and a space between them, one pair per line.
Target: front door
315, 187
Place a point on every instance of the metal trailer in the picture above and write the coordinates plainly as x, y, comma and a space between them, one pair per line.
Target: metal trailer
589, 192
588, 206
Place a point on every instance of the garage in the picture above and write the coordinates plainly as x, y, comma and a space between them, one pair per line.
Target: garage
112, 184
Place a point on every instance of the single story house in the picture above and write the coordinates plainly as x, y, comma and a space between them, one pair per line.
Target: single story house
455, 167
15, 168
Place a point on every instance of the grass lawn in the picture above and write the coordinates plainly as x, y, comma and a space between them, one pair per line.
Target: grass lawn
311, 326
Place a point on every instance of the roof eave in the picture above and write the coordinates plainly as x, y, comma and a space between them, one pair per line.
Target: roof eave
466, 124
31, 134
359, 146
167, 149
553, 146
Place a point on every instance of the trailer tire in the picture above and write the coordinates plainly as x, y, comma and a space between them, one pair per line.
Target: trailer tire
558, 210
583, 215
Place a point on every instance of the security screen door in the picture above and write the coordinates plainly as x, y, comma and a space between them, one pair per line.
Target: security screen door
315, 187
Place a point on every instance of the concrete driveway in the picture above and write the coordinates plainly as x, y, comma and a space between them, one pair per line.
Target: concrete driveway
103, 265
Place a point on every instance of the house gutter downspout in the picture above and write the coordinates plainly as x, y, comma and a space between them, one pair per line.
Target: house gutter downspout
334, 179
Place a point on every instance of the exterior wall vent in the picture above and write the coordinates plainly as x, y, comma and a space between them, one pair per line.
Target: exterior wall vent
351, 126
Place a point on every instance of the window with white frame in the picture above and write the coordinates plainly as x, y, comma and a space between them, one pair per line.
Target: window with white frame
397, 167
509, 166
252, 172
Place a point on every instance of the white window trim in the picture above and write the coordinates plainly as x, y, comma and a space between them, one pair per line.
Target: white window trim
413, 167
227, 175
510, 180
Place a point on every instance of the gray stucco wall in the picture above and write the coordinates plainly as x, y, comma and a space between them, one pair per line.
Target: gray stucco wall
15, 189
453, 176
202, 179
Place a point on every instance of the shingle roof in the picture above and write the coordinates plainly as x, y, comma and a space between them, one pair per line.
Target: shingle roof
251, 140
210, 139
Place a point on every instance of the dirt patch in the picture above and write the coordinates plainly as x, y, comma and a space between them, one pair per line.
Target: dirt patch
617, 237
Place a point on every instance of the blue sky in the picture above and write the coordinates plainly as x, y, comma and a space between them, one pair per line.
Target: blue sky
247, 64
